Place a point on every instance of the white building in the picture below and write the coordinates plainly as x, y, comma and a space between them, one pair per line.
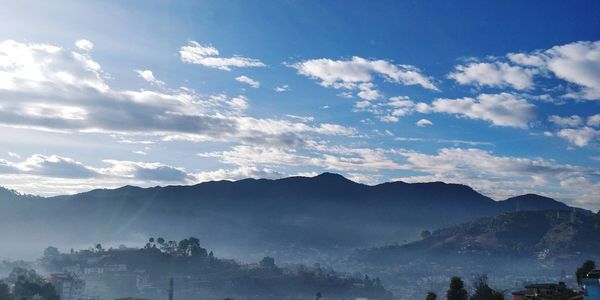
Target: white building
68, 286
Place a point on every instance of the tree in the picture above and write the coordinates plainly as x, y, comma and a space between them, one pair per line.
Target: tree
151, 240
431, 296
582, 271
482, 289
183, 247
51, 252
160, 241
457, 290
267, 262
425, 234
4, 291
27, 284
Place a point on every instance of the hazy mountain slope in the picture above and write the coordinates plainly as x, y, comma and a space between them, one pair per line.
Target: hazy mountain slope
536, 235
250, 217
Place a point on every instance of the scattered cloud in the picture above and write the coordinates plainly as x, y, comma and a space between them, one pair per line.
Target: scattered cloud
249, 81
580, 137
499, 176
84, 45
148, 76
66, 91
13, 155
424, 123
357, 74
388, 111
572, 121
282, 88
594, 120
574, 130
500, 109
208, 56
495, 74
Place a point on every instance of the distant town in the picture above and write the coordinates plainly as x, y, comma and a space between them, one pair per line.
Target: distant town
184, 270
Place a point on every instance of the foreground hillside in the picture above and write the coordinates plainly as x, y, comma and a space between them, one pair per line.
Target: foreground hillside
511, 248
536, 235
197, 273
248, 218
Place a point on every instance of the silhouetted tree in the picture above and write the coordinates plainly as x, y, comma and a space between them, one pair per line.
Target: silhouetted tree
51, 252
457, 290
431, 296
584, 269
160, 241
151, 240
318, 296
27, 284
483, 291
425, 234
267, 262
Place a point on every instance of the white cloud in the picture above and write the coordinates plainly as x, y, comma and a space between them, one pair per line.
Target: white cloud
149, 77
577, 63
145, 172
249, 81
389, 111
283, 88
498, 176
321, 156
579, 136
368, 92
500, 109
52, 166
423, 123
13, 155
357, 73
195, 53
66, 91
594, 120
84, 45
572, 121
526, 59
241, 172
495, 74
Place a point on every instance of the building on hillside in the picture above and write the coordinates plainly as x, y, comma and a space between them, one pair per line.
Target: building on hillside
68, 286
591, 285
545, 291
131, 298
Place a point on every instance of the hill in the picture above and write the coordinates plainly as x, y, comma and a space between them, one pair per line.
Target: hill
248, 218
536, 235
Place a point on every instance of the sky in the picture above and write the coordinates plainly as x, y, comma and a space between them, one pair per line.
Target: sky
503, 96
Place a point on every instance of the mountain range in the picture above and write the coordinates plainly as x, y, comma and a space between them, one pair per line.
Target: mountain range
288, 218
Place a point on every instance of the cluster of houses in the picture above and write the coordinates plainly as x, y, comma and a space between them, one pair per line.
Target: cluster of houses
69, 286
559, 291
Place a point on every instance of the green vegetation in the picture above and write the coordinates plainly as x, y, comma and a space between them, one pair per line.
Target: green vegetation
483, 291
27, 285
199, 274
457, 290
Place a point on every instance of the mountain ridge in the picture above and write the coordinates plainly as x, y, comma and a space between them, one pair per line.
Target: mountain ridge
260, 215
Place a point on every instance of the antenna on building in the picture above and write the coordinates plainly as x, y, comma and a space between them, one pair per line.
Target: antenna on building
171, 290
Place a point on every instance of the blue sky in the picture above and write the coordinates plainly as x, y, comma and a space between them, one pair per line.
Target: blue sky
502, 96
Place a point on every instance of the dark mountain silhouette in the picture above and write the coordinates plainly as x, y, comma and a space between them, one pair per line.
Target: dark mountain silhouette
251, 217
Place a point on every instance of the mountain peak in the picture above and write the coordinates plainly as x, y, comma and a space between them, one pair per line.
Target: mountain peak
332, 178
